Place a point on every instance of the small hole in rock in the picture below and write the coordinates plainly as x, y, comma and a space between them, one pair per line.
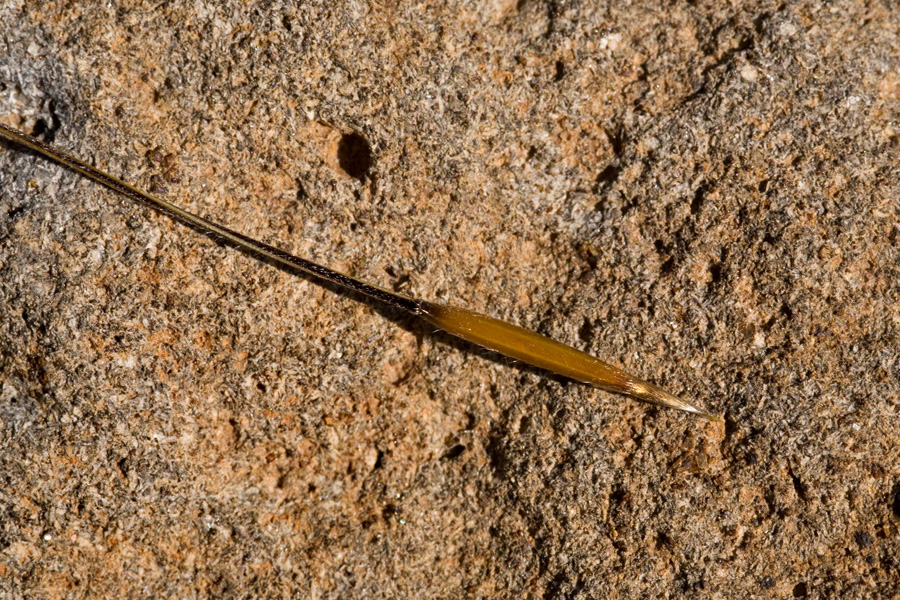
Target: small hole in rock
524, 424
697, 202
609, 175
455, 451
560, 71
715, 272
668, 266
786, 312
662, 540
586, 331
800, 590
354, 155
40, 128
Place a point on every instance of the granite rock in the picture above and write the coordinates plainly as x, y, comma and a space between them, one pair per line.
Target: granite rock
706, 194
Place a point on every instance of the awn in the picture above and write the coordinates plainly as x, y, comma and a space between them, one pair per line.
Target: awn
494, 334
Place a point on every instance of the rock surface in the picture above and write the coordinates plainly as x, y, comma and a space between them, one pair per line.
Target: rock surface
704, 194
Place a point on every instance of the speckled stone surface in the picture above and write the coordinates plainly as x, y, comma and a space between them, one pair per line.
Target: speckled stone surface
705, 194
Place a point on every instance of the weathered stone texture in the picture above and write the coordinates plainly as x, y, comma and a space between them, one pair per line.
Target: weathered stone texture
705, 193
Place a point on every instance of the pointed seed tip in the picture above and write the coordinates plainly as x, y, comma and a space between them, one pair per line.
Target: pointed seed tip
711, 417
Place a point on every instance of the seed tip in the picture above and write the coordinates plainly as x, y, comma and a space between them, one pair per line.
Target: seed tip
657, 395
